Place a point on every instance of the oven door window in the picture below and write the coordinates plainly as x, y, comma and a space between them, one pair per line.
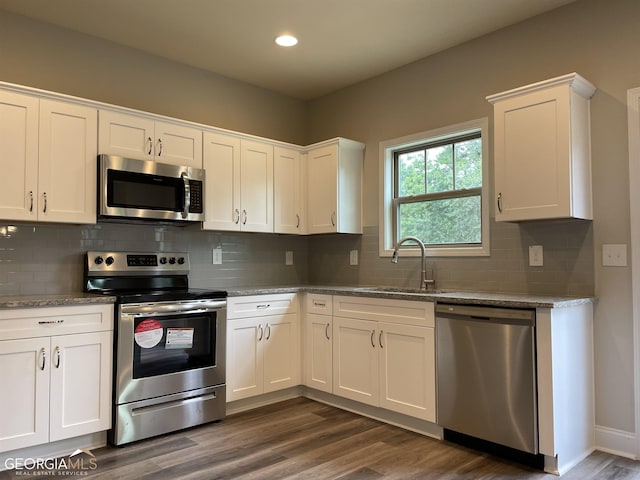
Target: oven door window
171, 344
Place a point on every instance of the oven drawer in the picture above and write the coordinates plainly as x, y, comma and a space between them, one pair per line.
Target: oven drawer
48, 321
261, 305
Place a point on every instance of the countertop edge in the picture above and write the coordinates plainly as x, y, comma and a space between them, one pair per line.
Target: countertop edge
33, 301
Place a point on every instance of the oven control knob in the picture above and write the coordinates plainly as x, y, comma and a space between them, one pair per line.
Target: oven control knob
181, 260
98, 260
172, 260
163, 260
109, 261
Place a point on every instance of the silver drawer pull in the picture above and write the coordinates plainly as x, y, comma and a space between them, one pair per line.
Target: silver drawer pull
50, 322
263, 306
319, 304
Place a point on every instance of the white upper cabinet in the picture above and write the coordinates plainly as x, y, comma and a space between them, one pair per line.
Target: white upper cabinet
50, 148
145, 138
334, 186
542, 150
288, 190
239, 184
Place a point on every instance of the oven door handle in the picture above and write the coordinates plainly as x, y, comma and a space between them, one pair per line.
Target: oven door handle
137, 310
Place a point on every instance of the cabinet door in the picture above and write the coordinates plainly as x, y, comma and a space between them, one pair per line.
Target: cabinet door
67, 173
24, 403
80, 384
280, 352
322, 188
125, 135
532, 156
244, 358
407, 370
288, 211
256, 186
355, 360
18, 156
318, 352
178, 144
221, 160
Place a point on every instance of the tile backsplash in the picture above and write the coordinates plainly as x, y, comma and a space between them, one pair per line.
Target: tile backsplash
48, 259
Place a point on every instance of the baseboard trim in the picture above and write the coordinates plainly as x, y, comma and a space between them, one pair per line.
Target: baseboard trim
617, 442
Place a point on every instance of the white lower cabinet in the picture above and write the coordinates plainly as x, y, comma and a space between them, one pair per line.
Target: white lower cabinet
262, 345
55, 370
379, 352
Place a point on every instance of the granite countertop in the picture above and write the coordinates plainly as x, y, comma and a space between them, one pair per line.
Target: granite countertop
27, 301
469, 298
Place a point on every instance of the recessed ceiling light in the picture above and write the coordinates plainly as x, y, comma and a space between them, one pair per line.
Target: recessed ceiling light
286, 40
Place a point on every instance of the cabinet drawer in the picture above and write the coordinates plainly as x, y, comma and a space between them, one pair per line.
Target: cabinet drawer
385, 310
260, 305
319, 304
48, 321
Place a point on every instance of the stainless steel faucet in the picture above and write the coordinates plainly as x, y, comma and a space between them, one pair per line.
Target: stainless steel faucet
424, 283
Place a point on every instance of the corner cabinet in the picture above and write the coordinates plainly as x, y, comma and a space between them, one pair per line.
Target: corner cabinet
50, 148
239, 185
55, 369
289, 206
542, 150
334, 186
145, 138
262, 345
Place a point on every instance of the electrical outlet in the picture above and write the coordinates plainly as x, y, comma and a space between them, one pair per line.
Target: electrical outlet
217, 256
536, 256
288, 257
614, 255
353, 257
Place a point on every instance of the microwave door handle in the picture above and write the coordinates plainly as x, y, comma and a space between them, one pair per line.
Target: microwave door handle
187, 195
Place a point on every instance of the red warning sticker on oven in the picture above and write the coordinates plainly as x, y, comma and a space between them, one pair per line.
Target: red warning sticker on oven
148, 333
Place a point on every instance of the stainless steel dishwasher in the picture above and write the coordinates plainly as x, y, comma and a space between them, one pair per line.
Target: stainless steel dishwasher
486, 374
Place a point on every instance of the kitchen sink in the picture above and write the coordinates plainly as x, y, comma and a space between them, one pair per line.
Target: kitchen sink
394, 290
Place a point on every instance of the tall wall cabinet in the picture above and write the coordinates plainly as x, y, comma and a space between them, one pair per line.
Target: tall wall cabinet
542, 150
49, 146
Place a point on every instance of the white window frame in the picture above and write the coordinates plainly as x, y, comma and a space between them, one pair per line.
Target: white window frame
386, 215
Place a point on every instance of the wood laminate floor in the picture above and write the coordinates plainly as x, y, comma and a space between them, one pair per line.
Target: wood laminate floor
303, 439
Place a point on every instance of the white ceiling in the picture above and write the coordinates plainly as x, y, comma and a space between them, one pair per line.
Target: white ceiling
341, 41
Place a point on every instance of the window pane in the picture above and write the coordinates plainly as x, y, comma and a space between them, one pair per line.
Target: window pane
411, 174
442, 222
440, 169
468, 156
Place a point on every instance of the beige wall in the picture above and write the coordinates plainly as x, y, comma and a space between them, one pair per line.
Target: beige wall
51, 58
596, 38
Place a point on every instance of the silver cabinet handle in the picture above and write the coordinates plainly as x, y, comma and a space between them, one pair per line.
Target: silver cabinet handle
373, 332
500, 202
44, 209
262, 306
51, 322
244, 217
333, 219
58, 353
267, 332
150, 143
159, 147
30, 201
326, 331
380, 339
43, 358
236, 216
261, 332
297, 220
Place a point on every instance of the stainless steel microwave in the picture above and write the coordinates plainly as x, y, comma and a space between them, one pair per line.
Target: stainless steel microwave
130, 189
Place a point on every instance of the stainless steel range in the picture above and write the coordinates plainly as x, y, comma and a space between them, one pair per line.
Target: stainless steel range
169, 343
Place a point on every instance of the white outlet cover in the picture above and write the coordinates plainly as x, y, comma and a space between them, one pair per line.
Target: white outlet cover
217, 256
353, 257
536, 258
288, 257
614, 255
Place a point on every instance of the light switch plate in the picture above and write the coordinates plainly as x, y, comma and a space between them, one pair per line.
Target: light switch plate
614, 255
288, 257
536, 256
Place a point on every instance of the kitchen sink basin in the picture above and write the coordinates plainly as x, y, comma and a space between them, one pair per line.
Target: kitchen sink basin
394, 290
